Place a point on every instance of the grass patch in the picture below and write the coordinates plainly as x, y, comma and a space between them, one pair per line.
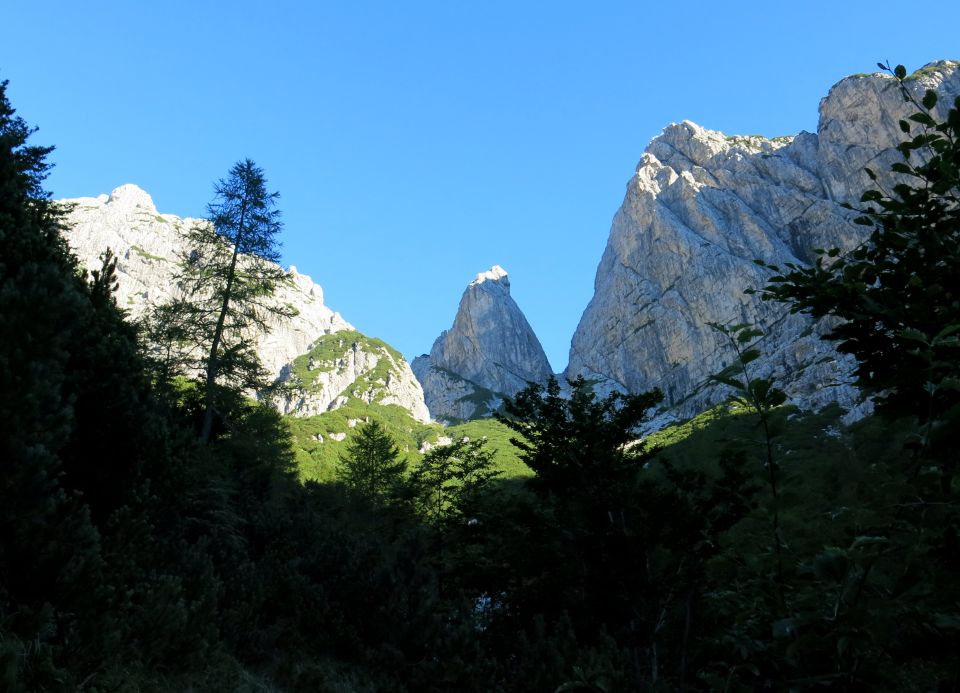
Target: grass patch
928, 70
145, 254
498, 439
317, 460
329, 349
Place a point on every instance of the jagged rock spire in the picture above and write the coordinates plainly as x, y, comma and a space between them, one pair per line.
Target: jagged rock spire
490, 351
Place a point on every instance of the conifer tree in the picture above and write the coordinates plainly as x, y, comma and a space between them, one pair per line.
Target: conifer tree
227, 281
372, 467
451, 477
39, 300
579, 445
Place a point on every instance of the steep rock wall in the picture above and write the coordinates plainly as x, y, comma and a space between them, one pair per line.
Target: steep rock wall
700, 208
490, 351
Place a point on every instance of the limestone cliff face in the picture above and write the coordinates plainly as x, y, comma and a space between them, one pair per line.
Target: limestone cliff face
149, 246
701, 207
489, 352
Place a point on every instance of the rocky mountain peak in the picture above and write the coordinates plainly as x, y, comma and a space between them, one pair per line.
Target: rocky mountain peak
130, 196
701, 208
490, 351
496, 276
149, 247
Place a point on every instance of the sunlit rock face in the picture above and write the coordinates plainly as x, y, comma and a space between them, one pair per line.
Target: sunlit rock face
700, 209
490, 351
149, 247
349, 366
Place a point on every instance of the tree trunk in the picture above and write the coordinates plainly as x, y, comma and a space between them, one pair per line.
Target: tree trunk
218, 334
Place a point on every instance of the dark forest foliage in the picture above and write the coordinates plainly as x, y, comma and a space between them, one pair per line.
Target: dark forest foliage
754, 548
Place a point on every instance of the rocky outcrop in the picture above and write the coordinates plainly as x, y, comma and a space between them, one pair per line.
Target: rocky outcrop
490, 351
149, 247
349, 366
701, 207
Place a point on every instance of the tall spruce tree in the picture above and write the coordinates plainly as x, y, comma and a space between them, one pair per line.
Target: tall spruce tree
227, 281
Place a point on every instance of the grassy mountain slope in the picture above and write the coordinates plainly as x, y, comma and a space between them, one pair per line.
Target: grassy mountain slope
318, 441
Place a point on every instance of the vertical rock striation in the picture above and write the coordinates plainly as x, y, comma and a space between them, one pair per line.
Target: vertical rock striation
490, 351
701, 207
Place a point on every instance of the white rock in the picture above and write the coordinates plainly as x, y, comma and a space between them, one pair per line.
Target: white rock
362, 368
439, 443
149, 246
701, 207
489, 352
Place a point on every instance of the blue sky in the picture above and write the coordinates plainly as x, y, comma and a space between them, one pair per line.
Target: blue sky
415, 144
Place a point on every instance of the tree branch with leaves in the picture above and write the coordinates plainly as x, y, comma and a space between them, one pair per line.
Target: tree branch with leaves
896, 295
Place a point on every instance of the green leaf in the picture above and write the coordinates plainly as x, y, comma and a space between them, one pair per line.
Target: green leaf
866, 540
950, 383
905, 127
776, 397
900, 72
726, 380
930, 99
718, 327
913, 335
946, 332
923, 119
759, 388
947, 621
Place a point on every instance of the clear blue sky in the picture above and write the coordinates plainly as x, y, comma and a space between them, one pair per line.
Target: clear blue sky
415, 144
